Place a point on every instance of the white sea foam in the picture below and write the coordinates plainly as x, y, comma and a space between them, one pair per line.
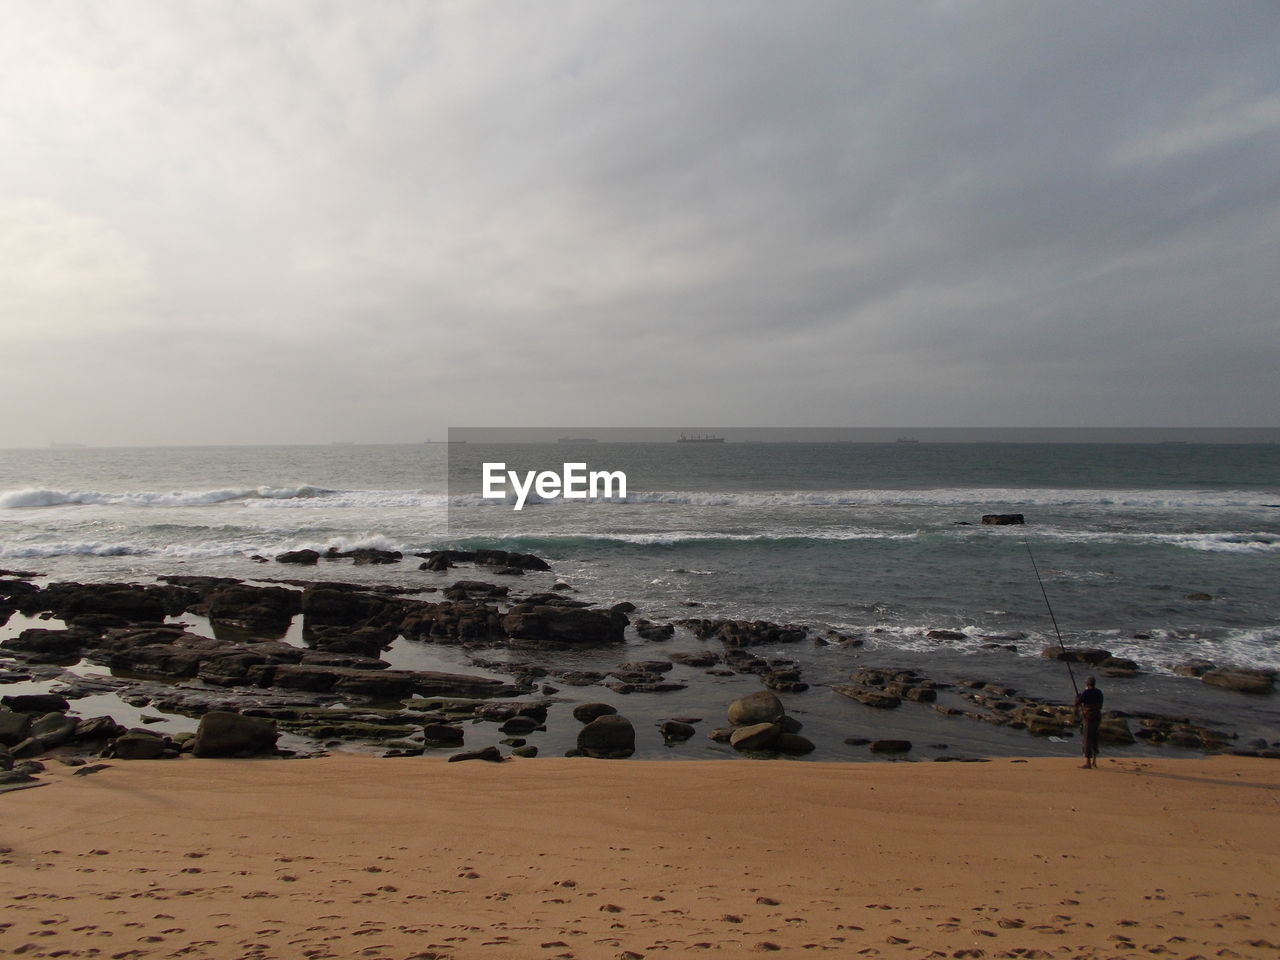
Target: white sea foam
91, 548
937, 497
1212, 542
14, 499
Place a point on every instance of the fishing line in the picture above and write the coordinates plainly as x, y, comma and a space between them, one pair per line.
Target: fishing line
1044, 593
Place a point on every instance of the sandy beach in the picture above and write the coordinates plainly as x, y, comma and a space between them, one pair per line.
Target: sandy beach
351, 856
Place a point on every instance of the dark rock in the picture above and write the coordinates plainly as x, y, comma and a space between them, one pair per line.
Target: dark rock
1002, 519
737, 634
477, 586
1115, 731
269, 607
756, 736
36, 703
322, 604
696, 659
673, 731
756, 708
586, 712
98, 728
225, 734
304, 557
1237, 679
525, 751
519, 726
125, 602
442, 559
608, 737
39, 645
52, 729
491, 754
370, 556
443, 734
539, 625
1199, 597
13, 726
625, 606
1090, 655
868, 695
793, 744
946, 635
505, 710
139, 744
580, 678
654, 631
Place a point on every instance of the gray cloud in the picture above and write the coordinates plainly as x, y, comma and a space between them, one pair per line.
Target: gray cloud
303, 222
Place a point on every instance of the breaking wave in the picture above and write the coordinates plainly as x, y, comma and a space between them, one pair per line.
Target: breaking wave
15, 499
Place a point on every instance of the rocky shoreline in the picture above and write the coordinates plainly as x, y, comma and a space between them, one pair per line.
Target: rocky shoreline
249, 688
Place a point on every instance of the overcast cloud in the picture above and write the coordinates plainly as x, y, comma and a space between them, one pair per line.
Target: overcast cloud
299, 222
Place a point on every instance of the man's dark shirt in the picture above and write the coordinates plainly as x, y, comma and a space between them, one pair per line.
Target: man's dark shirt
1090, 698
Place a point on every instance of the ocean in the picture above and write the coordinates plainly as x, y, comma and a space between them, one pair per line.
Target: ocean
1159, 552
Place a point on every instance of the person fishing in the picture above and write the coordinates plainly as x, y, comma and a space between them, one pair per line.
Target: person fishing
1089, 707
1088, 702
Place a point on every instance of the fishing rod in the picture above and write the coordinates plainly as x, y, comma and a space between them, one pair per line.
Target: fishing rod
1044, 593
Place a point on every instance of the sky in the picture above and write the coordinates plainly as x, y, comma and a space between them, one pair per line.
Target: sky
269, 222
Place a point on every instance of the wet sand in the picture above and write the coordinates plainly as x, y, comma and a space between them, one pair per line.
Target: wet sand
351, 856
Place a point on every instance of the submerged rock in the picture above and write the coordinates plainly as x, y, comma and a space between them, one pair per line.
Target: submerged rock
1241, 680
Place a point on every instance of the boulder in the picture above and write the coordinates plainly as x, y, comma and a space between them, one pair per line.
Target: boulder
443, 734
139, 744
538, 625
123, 602
263, 607
674, 731
757, 736
98, 728
225, 734
1090, 655
653, 631
36, 703
586, 712
304, 557
443, 559
1115, 731
40, 645
518, 726
13, 726
52, 729
756, 708
608, 737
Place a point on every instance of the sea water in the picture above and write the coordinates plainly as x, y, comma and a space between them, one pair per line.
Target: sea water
879, 541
